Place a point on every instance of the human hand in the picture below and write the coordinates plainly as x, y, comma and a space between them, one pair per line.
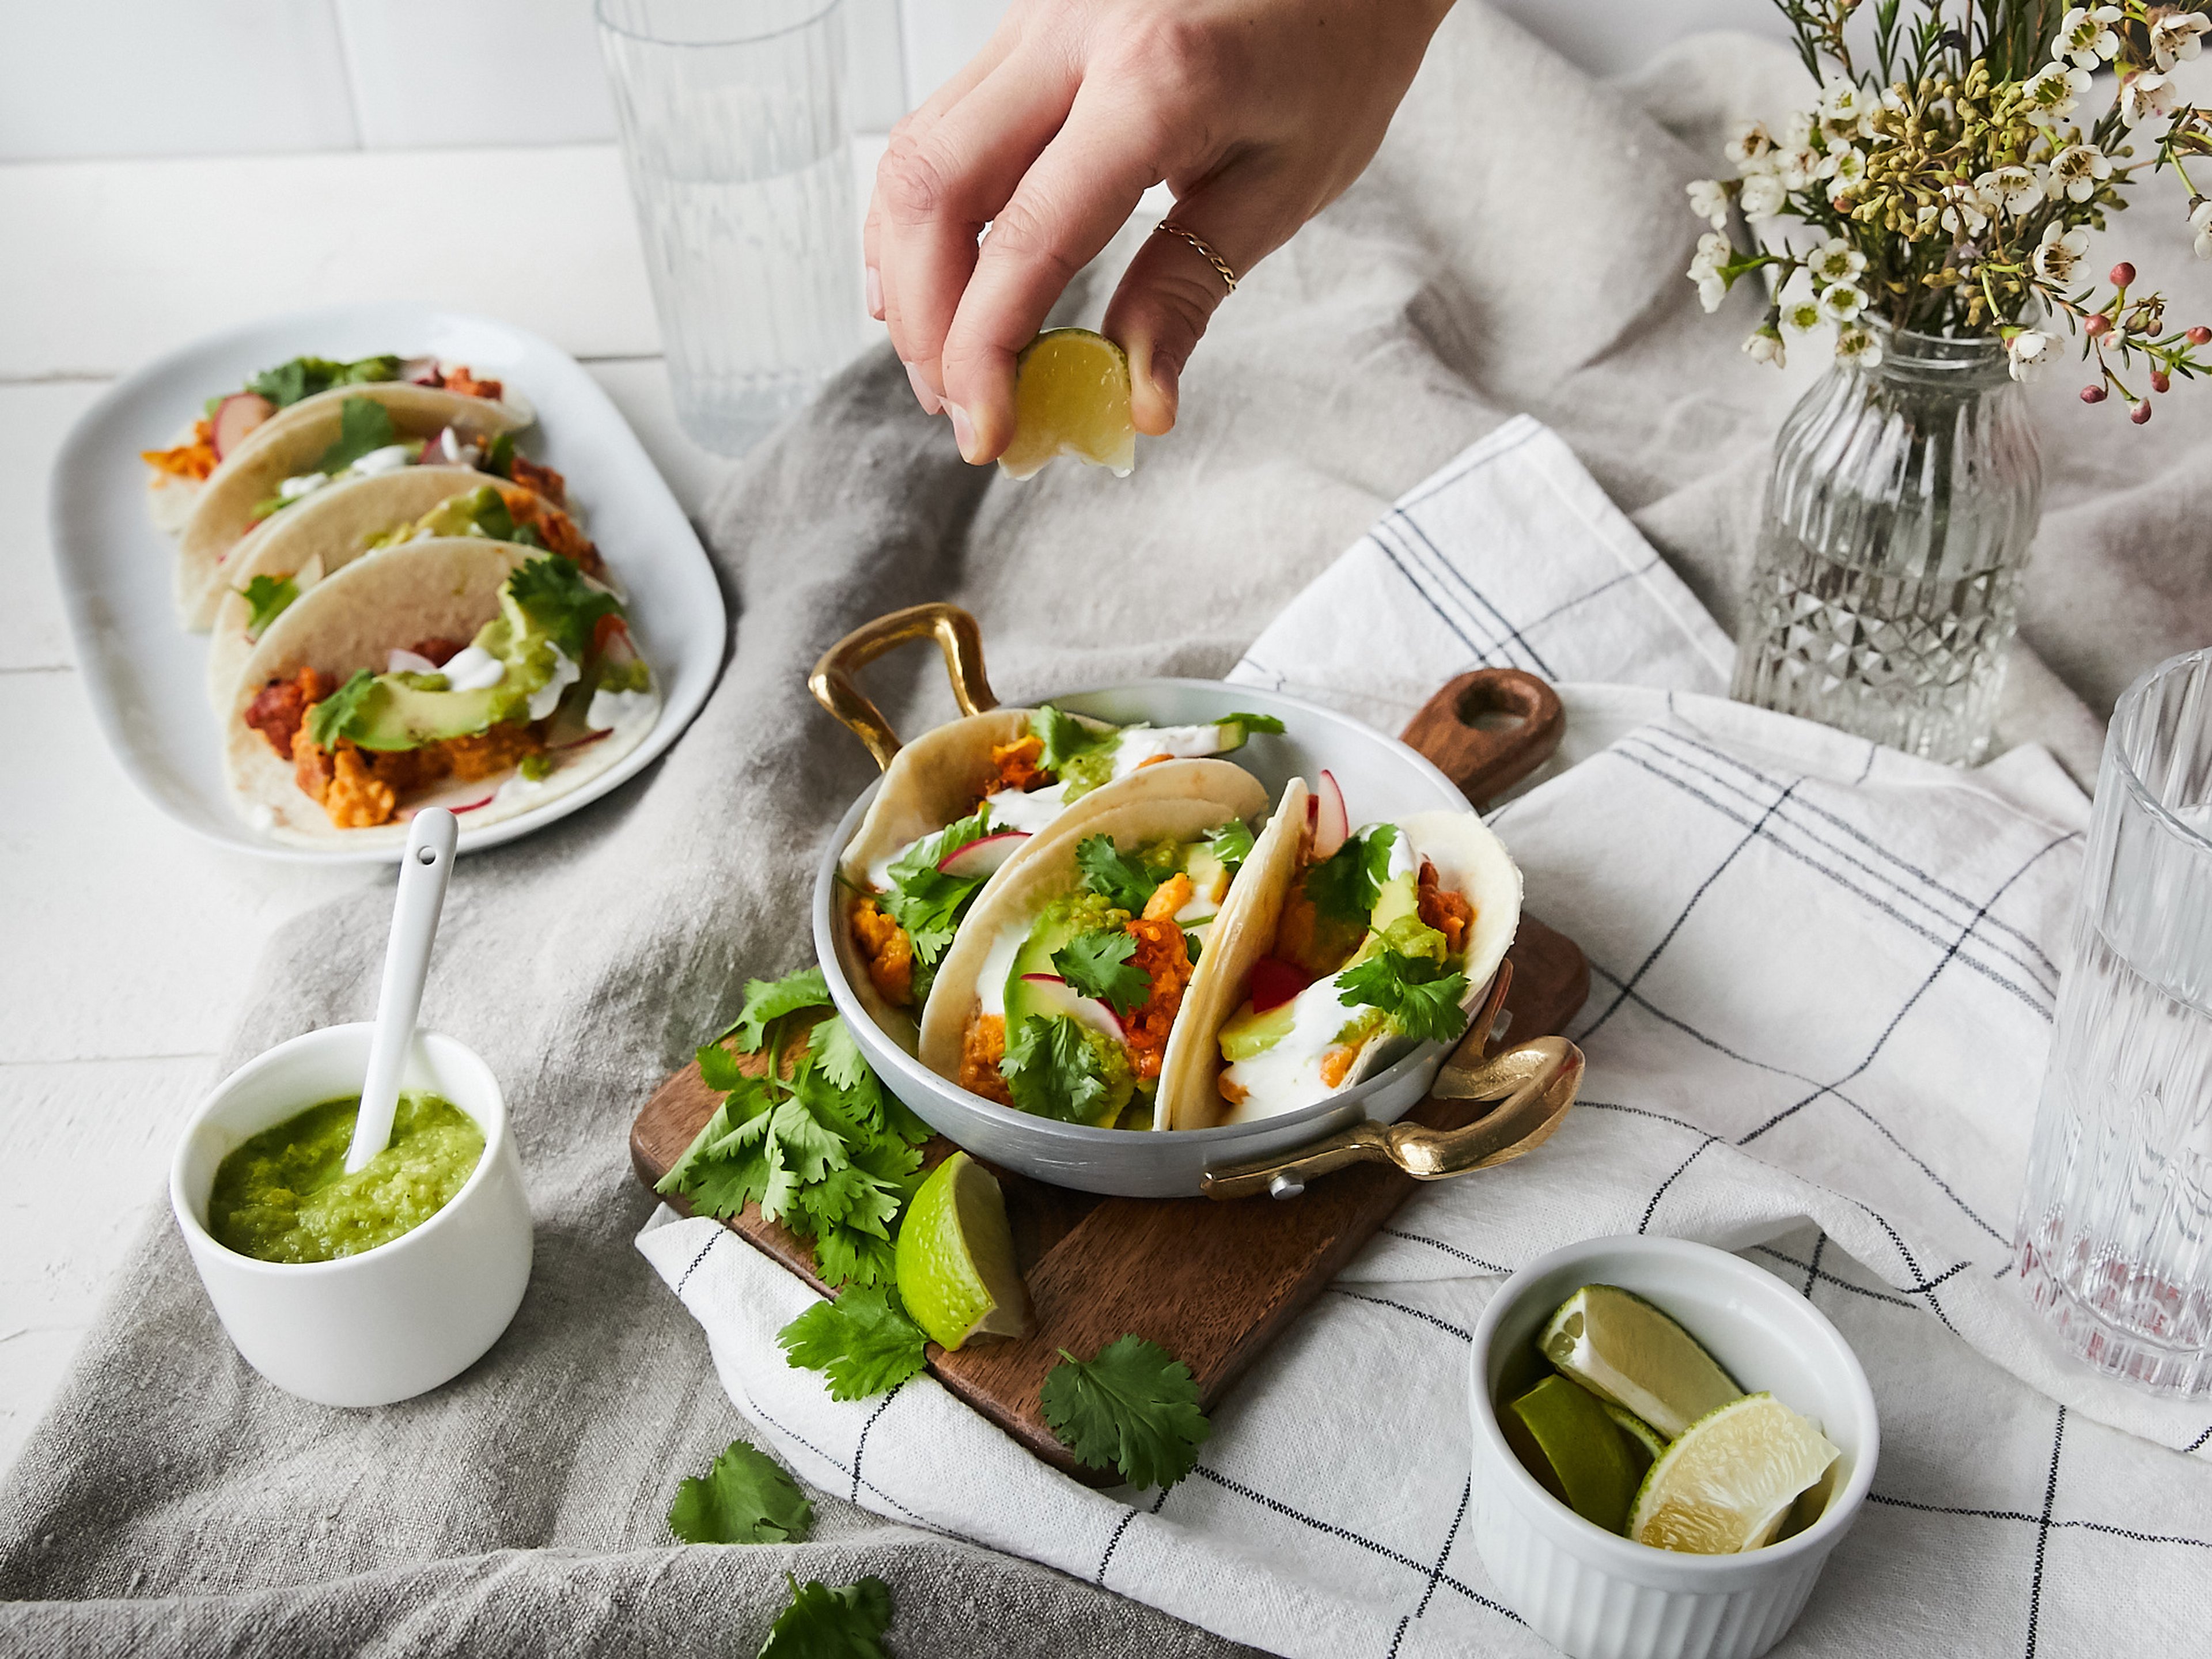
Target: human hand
1257, 113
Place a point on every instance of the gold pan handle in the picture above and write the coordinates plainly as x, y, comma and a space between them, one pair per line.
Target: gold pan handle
835, 688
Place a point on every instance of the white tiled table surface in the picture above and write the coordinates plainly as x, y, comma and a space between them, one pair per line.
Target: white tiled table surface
125, 943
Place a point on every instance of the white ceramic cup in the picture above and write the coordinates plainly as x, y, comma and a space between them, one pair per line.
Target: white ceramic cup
1593, 1594
391, 1322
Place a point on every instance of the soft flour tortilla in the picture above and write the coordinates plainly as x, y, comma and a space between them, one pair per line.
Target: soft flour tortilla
291, 442
335, 525
933, 781
1470, 860
445, 587
1184, 798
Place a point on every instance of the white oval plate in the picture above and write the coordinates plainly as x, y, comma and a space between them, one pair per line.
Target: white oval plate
147, 676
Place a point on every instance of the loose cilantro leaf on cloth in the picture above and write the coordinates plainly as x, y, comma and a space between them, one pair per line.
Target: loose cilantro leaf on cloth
863, 1342
1097, 964
768, 1000
822, 1623
328, 720
553, 593
364, 425
928, 904
1065, 737
1252, 723
265, 598
1416, 993
1232, 844
1053, 1069
1116, 877
744, 1498
1134, 1408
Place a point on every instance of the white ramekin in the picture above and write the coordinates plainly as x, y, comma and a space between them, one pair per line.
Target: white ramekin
1593, 1594
391, 1322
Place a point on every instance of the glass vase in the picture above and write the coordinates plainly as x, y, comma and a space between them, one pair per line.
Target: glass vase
1899, 509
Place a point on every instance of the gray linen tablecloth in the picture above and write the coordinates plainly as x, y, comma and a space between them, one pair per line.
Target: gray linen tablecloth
1518, 245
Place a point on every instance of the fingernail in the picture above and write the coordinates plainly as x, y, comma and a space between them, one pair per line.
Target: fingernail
930, 402
964, 431
1167, 374
875, 293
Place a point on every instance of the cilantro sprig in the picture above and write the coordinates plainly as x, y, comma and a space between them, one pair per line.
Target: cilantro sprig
1096, 964
328, 720
1054, 1068
746, 1498
1419, 995
1066, 739
1232, 844
303, 377
1134, 1408
266, 598
864, 1342
822, 1623
1345, 886
1116, 877
812, 1137
928, 904
553, 593
364, 425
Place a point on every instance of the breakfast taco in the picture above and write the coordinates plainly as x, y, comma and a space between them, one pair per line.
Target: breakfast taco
327, 532
349, 431
1069, 992
469, 674
1341, 951
958, 802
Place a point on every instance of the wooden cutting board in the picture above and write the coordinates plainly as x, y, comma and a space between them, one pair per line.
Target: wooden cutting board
1211, 1283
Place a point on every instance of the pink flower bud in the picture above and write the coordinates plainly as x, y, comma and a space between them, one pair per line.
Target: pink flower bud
2123, 274
2200, 335
2139, 413
2160, 380
2100, 324
2093, 394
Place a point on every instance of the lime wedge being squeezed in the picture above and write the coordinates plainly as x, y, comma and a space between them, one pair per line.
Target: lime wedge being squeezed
1728, 1481
1623, 1349
955, 1257
1071, 398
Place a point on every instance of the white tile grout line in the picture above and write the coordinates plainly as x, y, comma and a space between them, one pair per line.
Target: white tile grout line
345, 59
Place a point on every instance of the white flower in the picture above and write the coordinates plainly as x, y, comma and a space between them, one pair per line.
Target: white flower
1835, 261
2054, 92
1763, 196
1802, 314
1711, 290
1841, 302
2176, 37
1846, 166
1765, 347
2028, 351
1797, 131
1965, 212
2077, 171
1709, 201
1714, 250
2146, 98
1858, 346
1749, 145
2014, 189
1847, 110
1796, 168
2059, 254
2200, 220
2086, 35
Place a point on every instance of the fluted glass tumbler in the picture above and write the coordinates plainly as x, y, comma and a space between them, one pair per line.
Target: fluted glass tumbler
733, 115
2115, 1239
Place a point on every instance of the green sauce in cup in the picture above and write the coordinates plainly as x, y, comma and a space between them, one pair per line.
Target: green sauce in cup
284, 1195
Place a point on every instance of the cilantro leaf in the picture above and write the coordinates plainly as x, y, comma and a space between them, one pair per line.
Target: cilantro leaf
822, 1623
553, 593
744, 1498
1096, 964
725, 1167
836, 1056
265, 598
1419, 995
768, 1000
288, 383
1231, 843
1345, 886
364, 425
1065, 737
864, 1343
928, 904
1134, 1408
328, 720
1053, 1069
1113, 875
1252, 723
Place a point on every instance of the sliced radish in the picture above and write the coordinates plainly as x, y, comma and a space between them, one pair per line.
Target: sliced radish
1063, 998
473, 805
422, 371
235, 417
1330, 827
407, 662
1275, 982
981, 857
578, 743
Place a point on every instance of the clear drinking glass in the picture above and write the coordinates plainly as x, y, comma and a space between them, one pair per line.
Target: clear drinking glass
734, 132
2115, 1241
1898, 513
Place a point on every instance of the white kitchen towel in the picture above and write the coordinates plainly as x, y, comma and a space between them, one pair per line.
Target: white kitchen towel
1822, 979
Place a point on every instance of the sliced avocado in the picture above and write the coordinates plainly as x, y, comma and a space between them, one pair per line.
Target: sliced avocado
397, 716
1205, 870
1397, 897
464, 515
1245, 1034
1052, 931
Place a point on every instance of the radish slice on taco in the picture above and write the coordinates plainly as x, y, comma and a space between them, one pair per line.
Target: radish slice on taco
335, 527
472, 674
1068, 993
959, 802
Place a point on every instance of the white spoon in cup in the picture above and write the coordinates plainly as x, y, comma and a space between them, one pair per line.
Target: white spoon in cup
424, 869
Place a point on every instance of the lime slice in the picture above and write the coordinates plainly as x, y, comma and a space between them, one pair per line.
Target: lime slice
1562, 1435
1645, 1446
1623, 1349
1071, 398
955, 1257
1728, 1482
